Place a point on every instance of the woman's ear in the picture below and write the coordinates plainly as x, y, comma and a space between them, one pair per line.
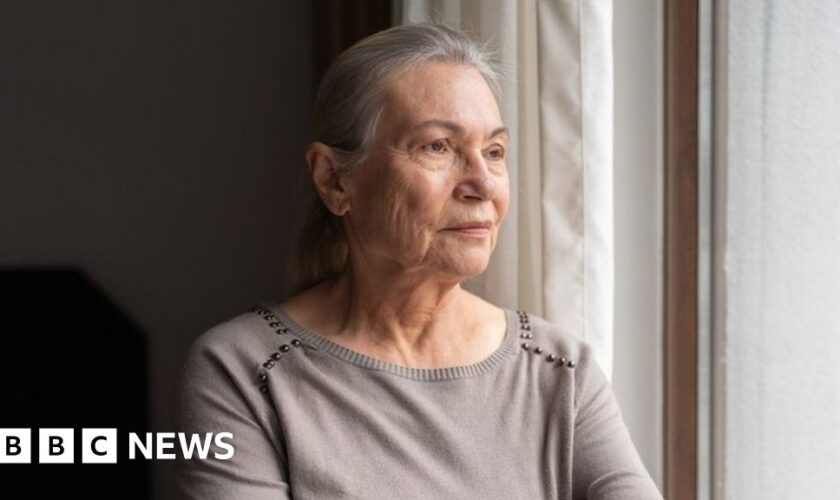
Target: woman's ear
326, 173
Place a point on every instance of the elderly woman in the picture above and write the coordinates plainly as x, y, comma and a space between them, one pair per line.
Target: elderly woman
384, 378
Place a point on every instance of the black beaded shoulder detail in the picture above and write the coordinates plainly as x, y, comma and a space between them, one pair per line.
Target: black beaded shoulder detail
525, 333
280, 329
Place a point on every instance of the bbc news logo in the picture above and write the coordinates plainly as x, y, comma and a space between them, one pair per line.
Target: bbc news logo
99, 446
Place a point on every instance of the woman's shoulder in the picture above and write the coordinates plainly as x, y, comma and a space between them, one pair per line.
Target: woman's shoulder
563, 347
552, 338
219, 387
239, 341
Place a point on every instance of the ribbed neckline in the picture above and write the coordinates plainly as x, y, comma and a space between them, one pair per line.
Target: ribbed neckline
507, 347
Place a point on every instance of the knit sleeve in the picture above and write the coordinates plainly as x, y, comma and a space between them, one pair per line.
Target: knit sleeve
216, 394
606, 465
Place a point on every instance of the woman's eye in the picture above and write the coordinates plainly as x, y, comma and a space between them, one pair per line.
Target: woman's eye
496, 154
438, 146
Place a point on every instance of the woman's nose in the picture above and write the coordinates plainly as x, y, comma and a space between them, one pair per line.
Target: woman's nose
476, 182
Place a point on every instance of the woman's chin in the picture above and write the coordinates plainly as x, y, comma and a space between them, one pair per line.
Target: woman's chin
467, 267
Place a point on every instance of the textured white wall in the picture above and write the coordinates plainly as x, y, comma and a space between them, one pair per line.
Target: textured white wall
782, 260
637, 363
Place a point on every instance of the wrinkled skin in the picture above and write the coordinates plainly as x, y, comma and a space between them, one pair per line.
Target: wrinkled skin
421, 179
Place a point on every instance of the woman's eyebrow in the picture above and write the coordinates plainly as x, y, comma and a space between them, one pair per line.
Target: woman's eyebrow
499, 131
456, 128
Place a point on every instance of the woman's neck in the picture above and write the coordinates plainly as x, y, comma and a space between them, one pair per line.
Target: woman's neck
409, 322
398, 308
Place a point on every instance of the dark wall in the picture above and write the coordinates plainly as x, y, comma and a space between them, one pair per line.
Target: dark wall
158, 147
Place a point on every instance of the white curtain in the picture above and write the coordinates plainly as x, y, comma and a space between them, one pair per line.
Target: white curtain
555, 251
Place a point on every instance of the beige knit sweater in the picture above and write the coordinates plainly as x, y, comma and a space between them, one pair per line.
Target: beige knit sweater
314, 420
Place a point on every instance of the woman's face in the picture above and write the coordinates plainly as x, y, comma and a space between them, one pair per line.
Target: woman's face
434, 190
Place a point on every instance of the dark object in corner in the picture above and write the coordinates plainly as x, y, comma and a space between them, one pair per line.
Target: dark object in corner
70, 359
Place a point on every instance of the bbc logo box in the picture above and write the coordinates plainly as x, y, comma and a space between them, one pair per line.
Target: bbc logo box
15, 446
57, 446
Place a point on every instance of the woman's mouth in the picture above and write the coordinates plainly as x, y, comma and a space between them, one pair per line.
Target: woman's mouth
477, 229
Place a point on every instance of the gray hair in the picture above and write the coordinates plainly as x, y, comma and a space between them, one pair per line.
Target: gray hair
347, 108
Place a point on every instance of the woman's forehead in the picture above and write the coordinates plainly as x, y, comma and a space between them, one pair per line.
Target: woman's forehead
441, 95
